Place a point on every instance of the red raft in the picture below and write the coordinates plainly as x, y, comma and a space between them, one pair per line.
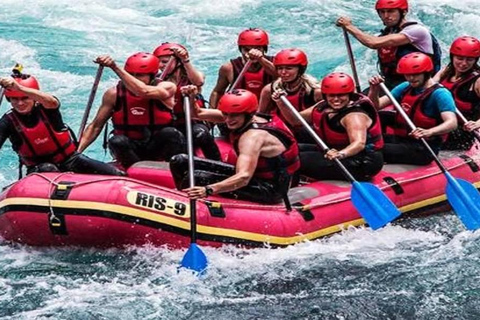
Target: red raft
58, 209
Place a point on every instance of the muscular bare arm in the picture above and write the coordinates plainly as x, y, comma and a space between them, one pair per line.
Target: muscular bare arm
103, 114
225, 78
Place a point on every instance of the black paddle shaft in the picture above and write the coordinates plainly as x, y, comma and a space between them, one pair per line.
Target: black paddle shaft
98, 76
352, 60
191, 176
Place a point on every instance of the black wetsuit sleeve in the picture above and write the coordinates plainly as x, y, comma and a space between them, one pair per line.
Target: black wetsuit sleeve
5, 129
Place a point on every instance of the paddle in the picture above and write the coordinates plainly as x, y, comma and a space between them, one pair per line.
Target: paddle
461, 194
352, 60
2, 93
464, 120
372, 204
90, 102
240, 76
194, 259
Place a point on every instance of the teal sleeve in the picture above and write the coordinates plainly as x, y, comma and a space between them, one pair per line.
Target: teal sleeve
398, 91
444, 100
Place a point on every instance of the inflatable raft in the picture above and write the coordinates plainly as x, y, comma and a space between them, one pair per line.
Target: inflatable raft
58, 209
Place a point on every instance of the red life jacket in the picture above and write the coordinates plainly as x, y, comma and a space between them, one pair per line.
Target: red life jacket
413, 106
42, 143
271, 168
251, 81
299, 99
335, 135
466, 99
133, 114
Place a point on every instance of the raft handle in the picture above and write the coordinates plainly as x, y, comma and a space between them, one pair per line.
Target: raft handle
471, 163
397, 188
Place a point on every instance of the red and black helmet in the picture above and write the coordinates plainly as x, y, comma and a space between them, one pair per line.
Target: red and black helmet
253, 37
466, 47
338, 83
238, 101
415, 63
165, 49
142, 63
26, 81
391, 4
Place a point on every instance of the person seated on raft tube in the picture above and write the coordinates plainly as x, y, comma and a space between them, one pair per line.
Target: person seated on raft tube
267, 154
38, 134
184, 73
348, 123
253, 45
302, 90
428, 104
462, 77
141, 112
399, 38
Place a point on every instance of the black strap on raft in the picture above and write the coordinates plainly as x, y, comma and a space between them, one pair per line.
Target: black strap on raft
471, 163
56, 220
305, 213
215, 208
397, 188
20, 167
105, 138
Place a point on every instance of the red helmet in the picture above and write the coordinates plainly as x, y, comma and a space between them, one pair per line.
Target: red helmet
238, 101
391, 4
26, 81
414, 63
253, 37
142, 62
290, 57
466, 47
165, 49
337, 83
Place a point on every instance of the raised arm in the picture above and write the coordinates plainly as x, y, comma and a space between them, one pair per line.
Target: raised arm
372, 42
45, 99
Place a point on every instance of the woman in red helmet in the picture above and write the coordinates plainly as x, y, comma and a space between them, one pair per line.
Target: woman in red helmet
267, 154
302, 90
349, 124
428, 104
37, 132
184, 73
252, 44
399, 38
141, 112
462, 77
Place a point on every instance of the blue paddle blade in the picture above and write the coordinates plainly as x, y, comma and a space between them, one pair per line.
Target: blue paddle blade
194, 259
373, 205
465, 201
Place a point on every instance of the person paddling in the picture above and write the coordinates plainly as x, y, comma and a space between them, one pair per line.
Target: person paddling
301, 89
267, 154
182, 72
37, 132
253, 45
399, 38
141, 112
428, 104
462, 77
348, 123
